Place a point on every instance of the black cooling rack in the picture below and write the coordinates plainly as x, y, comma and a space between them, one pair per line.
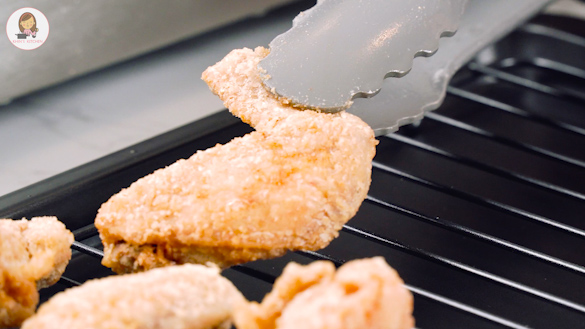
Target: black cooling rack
480, 207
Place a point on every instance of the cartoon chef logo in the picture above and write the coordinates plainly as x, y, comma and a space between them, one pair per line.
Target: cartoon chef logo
27, 28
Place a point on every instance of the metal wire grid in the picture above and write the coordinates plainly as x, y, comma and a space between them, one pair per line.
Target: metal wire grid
578, 196
94, 252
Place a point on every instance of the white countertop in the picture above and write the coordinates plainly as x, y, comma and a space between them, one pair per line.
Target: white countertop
67, 125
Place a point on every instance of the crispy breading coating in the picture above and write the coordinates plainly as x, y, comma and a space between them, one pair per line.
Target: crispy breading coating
182, 297
289, 185
364, 293
33, 255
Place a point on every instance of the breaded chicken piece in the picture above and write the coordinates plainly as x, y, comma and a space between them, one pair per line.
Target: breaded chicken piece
185, 297
363, 293
33, 255
289, 185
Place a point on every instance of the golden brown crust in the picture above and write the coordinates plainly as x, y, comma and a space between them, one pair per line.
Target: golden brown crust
294, 280
128, 258
291, 184
33, 255
185, 297
361, 294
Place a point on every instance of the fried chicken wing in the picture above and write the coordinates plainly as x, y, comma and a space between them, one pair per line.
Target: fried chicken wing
289, 185
363, 293
183, 297
33, 255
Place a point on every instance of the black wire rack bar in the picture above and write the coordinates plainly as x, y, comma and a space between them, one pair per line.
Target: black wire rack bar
482, 201
524, 82
319, 256
465, 268
87, 249
481, 236
560, 35
255, 273
511, 109
484, 133
546, 63
466, 308
85, 232
69, 283
488, 168
554, 33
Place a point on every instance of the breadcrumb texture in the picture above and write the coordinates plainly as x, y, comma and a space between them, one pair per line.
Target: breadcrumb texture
186, 297
33, 255
363, 293
289, 185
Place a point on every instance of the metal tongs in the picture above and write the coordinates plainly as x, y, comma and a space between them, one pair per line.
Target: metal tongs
360, 55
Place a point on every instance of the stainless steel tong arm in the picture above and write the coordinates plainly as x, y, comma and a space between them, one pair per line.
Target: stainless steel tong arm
342, 49
405, 100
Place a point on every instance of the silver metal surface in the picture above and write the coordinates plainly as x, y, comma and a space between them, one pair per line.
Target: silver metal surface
339, 50
88, 35
405, 100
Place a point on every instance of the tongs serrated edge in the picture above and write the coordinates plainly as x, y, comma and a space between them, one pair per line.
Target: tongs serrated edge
339, 50
406, 99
